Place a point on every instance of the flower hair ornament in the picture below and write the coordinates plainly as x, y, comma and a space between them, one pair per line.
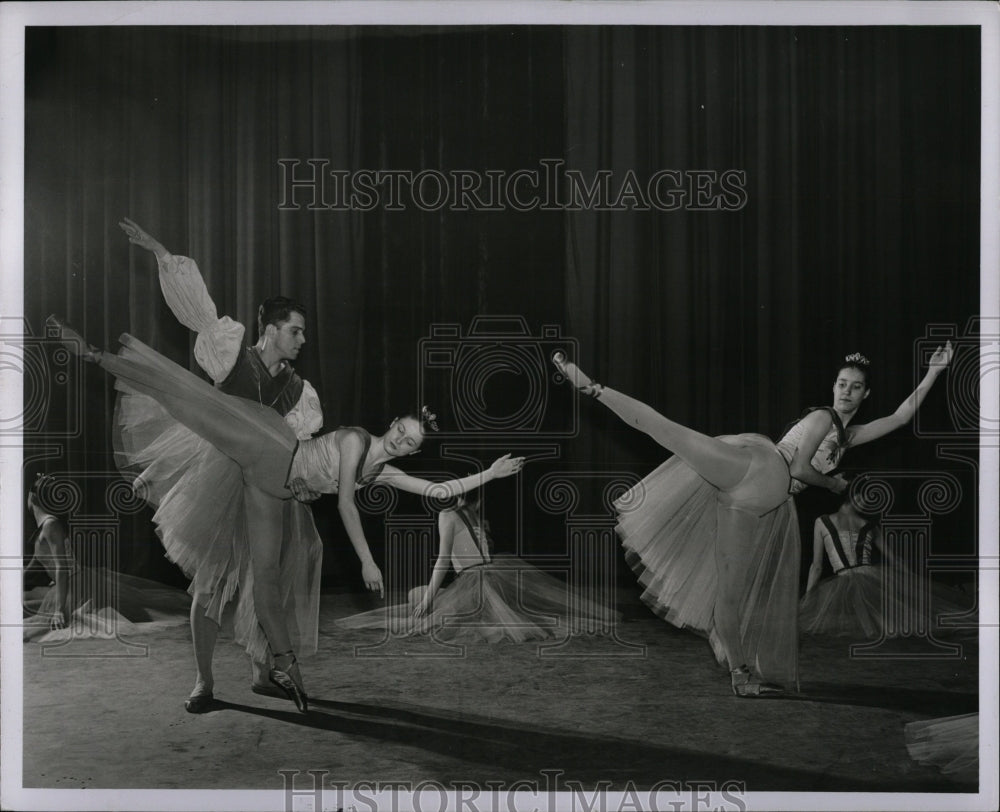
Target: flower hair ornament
429, 418
857, 358
42, 482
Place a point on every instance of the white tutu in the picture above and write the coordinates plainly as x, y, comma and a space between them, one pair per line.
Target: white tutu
198, 491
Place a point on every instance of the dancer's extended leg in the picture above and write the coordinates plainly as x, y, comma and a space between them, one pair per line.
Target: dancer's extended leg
721, 464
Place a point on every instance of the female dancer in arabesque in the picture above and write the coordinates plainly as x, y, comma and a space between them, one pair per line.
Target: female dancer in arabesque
712, 533
269, 456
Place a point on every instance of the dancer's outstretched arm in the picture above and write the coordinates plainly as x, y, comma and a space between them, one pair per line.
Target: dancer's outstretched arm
352, 448
502, 467
816, 568
446, 529
904, 414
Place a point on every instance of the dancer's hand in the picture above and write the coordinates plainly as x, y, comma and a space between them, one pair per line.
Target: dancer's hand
372, 576
58, 621
840, 483
941, 358
421, 609
300, 490
137, 236
506, 465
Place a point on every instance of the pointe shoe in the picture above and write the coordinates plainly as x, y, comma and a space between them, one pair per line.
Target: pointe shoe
268, 690
591, 388
202, 703
746, 685
74, 342
283, 679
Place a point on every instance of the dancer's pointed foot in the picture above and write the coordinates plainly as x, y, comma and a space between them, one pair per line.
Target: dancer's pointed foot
260, 681
201, 699
289, 679
72, 339
745, 684
575, 376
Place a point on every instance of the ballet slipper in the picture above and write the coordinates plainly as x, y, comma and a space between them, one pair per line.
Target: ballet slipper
264, 688
284, 680
199, 703
746, 685
268, 690
582, 384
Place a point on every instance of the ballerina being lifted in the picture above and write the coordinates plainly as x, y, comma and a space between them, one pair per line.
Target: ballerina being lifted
712, 533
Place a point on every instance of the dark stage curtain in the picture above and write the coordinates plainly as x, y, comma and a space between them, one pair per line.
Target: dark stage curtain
858, 154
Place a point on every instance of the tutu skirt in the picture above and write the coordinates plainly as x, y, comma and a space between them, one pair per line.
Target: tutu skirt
192, 448
668, 528
951, 744
104, 604
872, 601
507, 599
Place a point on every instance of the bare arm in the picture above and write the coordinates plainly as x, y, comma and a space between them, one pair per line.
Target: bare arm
503, 467
816, 568
904, 413
446, 529
351, 448
818, 424
54, 535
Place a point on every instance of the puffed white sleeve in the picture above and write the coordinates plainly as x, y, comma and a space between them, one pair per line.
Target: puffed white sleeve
306, 416
220, 340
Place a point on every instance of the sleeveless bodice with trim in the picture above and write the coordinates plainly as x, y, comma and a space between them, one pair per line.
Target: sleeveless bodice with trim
828, 453
471, 544
317, 461
848, 549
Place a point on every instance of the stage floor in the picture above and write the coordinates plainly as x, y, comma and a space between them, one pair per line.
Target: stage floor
647, 707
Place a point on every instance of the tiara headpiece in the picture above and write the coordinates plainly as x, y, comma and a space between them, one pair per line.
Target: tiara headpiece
857, 358
429, 418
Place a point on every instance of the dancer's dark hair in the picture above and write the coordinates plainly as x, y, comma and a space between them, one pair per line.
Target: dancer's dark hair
276, 311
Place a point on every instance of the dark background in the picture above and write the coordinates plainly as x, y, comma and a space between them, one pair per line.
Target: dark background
860, 231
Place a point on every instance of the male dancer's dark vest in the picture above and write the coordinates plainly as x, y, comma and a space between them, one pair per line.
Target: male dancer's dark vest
250, 379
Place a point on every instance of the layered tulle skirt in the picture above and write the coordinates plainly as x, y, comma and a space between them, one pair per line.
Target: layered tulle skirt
875, 601
507, 599
191, 448
668, 525
951, 744
105, 604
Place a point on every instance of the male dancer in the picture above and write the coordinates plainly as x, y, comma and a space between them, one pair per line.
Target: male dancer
261, 372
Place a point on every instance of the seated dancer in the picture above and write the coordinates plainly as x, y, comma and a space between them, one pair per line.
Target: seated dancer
219, 563
267, 457
86, 601
712, 533
862, 594
495, 596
